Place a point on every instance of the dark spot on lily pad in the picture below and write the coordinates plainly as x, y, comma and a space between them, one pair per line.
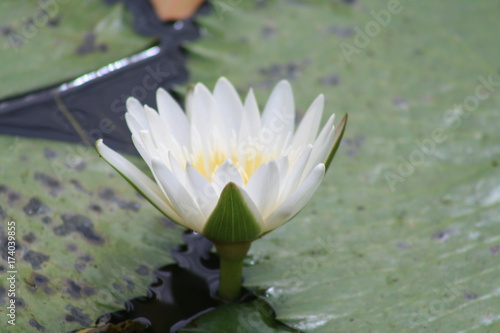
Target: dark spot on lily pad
3, 188
2, 296
35, 258
344, 32
39, 279
80, 224
261, 3
109, 195
12, 197
494, 249
71, 247
87, 258
142, 270
269, 30
79, 267
47, 290
29, 237
117, 286
89, 291
20, 303
79, 187
403, 245
47, 220
89, 45
54, 22
443, 235
73, 289
77, 315
4, 245
5, 30
51, 183
354, 145
331, 80
36, 207
49, 154
132, 205
78, 164
130, 284
3, 214
290, 70
469, 295
96, 208
33, 323
400, 103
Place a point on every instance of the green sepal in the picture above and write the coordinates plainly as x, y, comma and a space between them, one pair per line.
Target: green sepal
339, 132
231, 220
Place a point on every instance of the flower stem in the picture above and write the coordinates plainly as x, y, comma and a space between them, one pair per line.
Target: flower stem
231, 268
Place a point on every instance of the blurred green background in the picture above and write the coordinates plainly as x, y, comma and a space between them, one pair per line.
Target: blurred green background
402, 236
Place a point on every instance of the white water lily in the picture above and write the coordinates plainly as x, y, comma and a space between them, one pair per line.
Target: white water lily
221, 168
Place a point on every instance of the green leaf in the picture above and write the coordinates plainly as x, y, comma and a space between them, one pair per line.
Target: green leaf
231, 220
256, 316
48, 42
86, 241
403, 235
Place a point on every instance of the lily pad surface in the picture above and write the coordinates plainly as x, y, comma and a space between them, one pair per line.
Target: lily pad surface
85, 240
47, 42
404, 233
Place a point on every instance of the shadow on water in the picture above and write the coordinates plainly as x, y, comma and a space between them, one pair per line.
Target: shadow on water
180, 292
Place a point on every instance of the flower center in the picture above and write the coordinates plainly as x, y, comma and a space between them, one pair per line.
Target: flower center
208, 163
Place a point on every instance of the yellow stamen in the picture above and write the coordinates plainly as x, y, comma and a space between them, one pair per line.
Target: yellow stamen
207, 165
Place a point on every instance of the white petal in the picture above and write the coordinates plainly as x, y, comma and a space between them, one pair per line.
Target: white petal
229, 104
283, 168
295, 202
145, 154
225, 173
251, 117
136, 110
278, 118
252, 206
202, 105
148, 143
295, 174
143, 183
157, 130
181, 200
173, 117
263, 187
308, 128
203, 191
322, 147
325, 130
134, 125
282, 163
207, 119
177, 169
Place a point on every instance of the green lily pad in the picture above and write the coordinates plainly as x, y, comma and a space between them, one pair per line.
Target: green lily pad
404, 234
47, 42
256, 316
85, 240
